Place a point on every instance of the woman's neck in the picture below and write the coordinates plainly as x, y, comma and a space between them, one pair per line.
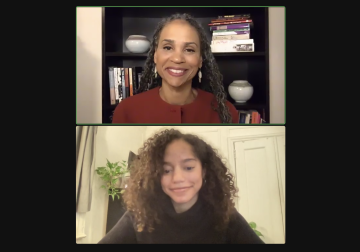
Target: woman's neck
179, 95
183, 207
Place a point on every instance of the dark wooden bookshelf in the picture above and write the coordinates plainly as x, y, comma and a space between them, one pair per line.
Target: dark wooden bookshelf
120, 22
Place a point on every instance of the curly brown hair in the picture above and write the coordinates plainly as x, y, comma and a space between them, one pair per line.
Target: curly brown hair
144, 196
212, 80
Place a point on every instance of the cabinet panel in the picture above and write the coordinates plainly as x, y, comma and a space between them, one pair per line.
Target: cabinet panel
259, 192
280, 148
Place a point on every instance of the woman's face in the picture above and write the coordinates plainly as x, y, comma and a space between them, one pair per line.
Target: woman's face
182, 178
178, 56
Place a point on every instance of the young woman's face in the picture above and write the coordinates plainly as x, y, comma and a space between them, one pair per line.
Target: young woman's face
178, 56
183, 174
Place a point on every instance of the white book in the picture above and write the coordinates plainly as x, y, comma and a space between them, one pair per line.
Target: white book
235, 48
116, 84
119, 84
231, 37
232, 42
244, 45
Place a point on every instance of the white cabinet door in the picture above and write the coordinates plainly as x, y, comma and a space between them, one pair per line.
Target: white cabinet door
280, 144
258, 183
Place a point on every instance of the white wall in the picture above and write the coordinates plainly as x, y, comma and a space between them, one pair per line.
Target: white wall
88, 64
277, 64
113, 143
211, 134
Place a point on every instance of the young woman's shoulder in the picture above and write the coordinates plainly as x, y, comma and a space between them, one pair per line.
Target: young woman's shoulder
122, 233
240, 232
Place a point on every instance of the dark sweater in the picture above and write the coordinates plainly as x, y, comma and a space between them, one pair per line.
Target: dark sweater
194, 226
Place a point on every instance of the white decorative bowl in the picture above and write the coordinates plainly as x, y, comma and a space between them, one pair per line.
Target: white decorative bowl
241, 90
137, 44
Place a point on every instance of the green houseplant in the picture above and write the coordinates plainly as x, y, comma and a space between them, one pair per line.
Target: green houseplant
253, 226
111, 173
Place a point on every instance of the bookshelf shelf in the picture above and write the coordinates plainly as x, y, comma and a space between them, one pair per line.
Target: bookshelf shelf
120, 22
248, 106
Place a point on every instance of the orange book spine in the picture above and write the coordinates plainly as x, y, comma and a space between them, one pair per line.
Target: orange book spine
253, 117
130, 81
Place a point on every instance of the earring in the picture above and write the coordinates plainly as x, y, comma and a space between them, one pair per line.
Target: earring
155, 73
200, 75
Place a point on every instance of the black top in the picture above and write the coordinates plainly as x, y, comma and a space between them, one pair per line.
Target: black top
194, 226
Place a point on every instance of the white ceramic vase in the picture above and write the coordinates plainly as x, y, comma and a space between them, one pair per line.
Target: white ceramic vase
137, 44
241, 90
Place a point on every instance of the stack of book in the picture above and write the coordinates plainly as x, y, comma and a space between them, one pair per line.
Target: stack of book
231, 34
250, 117
123, 82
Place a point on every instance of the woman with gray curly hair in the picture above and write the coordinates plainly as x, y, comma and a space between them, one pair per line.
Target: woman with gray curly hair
181, 82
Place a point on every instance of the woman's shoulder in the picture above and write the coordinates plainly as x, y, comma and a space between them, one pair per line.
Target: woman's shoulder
144, 96
132, 105
137, 101
208, 96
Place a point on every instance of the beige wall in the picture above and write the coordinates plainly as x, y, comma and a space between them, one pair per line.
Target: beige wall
277, 64
89, 64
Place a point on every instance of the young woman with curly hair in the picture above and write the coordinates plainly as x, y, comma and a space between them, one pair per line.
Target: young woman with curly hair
180, 191
181, 82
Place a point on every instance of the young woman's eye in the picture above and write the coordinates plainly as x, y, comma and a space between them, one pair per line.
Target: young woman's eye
167, 47
189, 168
190, 50
167, 171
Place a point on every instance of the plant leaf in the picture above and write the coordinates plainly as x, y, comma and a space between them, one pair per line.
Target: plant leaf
118, 196
122, 191
100, 170
258, 233
252, 224
106, 177
112, 195
108, 164
114, 180
103, 186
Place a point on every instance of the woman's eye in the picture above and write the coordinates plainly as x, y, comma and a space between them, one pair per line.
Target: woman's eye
190, 50
189, 168
167, 47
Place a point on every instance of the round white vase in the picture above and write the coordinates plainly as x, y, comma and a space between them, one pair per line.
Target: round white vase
241, 90
137, 44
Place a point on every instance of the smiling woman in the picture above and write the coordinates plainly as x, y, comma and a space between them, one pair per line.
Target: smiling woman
180, 191
181, 79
